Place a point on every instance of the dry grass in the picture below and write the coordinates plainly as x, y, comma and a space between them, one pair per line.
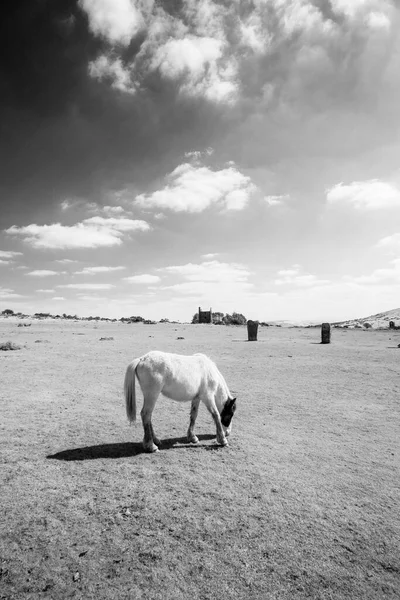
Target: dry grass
303, 504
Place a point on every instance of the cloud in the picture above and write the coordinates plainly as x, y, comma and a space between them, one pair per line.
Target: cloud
253, 34
197, 154
90, 233
58, 298
210, 282
145, 278
44, 291
359, 8
65, 205
388, 276
65, 260
88, 286
6, 293
90, 298
372, 194
210, 271
188, 47
118, 21
295, 277
390, 243
95, 270
9, 254
113, 210
113, 70
276, 200
198, 64
193, 189
42, 273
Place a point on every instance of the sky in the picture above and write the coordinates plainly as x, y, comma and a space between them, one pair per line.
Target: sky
161, 156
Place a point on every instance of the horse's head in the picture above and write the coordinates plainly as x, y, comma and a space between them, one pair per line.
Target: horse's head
227, 414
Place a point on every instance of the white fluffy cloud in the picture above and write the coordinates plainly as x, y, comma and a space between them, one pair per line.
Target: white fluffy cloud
113, 70
390, 243
386, 276
199, 64
9, 254
42, 273
118, 21
88, 286
193, 189
145, 278
190, 48
90, 233
8, 294
210, 283
96, 270
372, 194
295, 277
204, 46
276, 200
210, 271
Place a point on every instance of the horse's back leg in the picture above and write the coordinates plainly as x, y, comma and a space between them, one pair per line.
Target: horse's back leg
191, 437
149, 441
212, 407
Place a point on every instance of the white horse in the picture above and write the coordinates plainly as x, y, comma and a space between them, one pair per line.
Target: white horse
181, 378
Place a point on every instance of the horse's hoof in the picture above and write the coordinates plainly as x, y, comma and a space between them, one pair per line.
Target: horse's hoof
157, 441
223, 442
193, 440
152, 448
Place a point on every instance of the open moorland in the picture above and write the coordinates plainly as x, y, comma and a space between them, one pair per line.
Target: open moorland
304, 503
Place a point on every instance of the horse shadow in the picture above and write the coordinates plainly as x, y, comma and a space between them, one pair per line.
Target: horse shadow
127, 449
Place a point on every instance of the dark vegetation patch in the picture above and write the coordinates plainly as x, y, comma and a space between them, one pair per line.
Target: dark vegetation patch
9, 346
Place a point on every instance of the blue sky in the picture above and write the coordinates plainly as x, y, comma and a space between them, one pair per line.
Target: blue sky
164, 156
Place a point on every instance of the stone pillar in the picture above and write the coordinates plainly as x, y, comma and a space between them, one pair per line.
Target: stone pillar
252, 328
325, 333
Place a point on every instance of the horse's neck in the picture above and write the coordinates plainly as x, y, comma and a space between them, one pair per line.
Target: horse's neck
223, 392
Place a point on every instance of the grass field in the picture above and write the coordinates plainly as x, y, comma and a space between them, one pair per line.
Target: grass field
304, 503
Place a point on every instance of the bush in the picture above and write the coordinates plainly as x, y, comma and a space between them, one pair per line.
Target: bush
235, 319
7, 312
9, 346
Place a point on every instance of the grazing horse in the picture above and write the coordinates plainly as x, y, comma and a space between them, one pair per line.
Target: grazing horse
183, 378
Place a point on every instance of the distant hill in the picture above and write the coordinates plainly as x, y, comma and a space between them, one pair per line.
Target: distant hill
378, 321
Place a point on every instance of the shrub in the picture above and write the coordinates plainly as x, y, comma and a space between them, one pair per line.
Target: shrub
9, 346
7, 312
235, 319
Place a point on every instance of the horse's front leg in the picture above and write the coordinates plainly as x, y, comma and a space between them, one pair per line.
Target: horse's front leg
221, 439
191, 437
149, 440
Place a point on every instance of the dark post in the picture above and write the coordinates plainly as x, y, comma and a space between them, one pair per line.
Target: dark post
391, 325
252, 328
325, 333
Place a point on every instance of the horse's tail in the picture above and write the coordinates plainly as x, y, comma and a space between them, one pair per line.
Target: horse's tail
129, 390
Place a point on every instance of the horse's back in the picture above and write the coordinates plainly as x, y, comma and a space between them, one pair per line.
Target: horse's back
175, 375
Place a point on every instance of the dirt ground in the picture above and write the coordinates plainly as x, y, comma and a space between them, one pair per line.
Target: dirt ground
304, 503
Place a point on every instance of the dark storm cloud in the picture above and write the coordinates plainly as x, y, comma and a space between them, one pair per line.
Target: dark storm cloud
64, 134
